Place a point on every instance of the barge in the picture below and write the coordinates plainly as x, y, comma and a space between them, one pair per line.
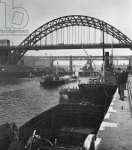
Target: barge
65, 126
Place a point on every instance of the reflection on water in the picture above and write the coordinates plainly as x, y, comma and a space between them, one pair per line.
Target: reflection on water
22, 99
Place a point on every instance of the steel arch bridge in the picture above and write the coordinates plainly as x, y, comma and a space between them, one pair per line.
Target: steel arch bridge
67, 21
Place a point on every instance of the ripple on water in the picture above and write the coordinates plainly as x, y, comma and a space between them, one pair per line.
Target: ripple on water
20, 101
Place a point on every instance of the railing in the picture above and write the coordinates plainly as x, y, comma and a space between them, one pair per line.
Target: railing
129, 88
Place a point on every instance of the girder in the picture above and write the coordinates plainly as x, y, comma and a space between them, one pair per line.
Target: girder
65, 21
68, 46
82, 58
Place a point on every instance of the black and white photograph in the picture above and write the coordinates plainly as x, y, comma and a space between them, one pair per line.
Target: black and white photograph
66, 75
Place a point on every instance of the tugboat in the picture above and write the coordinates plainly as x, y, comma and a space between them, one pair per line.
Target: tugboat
52, 81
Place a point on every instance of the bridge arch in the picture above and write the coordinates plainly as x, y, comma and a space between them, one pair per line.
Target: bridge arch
65, 21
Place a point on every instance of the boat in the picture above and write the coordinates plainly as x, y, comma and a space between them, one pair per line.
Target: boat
52, 81
97, 91
64, 126
99, 94
56, 80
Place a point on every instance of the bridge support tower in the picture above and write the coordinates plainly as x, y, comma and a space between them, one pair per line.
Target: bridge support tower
130, 64
70, 65
51, 62
4, 54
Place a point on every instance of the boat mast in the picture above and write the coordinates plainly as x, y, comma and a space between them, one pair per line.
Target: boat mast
112, 63
56, 68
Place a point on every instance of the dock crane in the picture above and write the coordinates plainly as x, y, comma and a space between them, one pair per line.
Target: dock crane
89, 62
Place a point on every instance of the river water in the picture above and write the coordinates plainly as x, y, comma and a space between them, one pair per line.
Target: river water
22, 99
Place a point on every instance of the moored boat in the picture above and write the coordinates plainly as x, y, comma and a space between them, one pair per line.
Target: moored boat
96, 91
65, 126
99, 94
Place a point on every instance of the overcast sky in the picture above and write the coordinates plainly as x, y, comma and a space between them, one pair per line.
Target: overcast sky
115, 12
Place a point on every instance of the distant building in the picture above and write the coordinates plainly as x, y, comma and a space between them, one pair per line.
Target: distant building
4, 55
37, 61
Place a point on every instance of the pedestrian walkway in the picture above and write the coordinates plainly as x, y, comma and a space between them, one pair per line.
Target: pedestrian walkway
115, 132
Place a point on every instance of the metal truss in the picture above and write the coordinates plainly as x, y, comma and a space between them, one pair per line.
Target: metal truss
65, 21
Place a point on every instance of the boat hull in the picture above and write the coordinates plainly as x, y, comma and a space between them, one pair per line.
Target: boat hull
88, 74
98, 94
70, 124
52, 83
